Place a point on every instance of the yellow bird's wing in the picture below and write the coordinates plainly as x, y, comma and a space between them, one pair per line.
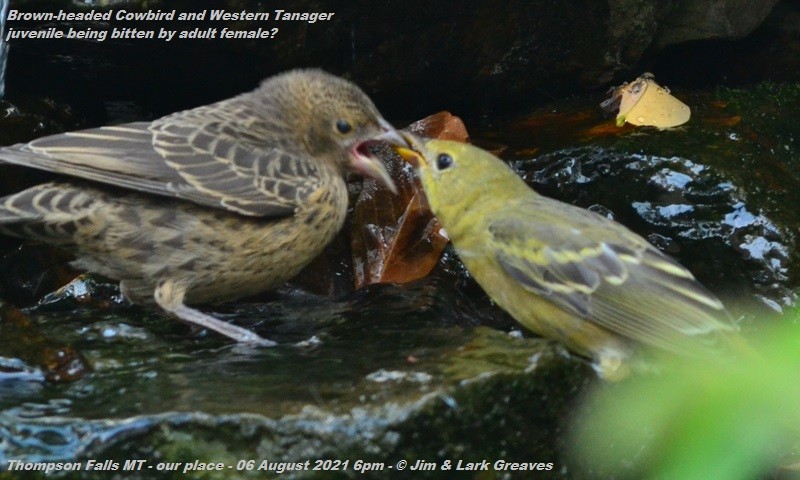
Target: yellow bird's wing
603, 273
215, 155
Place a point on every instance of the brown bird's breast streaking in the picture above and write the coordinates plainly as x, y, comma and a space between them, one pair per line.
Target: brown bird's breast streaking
211, 204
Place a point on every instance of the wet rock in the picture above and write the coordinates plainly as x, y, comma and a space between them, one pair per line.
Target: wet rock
423, 370
487, 57
84, 290
395, 372
716, 193
696, 20
691, 211
30, 117
31, 271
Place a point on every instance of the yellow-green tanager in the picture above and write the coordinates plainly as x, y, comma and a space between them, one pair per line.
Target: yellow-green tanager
564, 272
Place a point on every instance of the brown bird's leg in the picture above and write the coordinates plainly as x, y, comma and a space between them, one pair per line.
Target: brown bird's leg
169, 296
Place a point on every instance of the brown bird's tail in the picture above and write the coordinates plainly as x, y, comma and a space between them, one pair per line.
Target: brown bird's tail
46, 213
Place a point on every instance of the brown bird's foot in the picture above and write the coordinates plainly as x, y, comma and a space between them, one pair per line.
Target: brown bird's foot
169, 296
241, 335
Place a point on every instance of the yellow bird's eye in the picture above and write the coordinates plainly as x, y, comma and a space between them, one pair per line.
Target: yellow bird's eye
343, 126
444, 161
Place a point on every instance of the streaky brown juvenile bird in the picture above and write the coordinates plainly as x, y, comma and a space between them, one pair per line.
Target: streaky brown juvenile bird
211, 204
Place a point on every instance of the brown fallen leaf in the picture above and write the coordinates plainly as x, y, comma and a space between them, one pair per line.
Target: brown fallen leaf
442, 126
394, 238
604, 130
563, 119
726, 121
21, 339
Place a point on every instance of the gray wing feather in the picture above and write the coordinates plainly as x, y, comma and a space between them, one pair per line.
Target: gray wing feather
217, 155
621, 283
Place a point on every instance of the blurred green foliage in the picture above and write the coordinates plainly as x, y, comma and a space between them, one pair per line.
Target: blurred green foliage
697, 419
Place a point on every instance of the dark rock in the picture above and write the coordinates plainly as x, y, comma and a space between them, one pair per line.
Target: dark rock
484, 57
716, 193
716, 19
398, 372
394, 372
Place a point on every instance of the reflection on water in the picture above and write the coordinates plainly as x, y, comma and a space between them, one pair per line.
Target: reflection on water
709, 196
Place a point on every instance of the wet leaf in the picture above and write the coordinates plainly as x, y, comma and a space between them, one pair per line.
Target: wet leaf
442, 126
395, 237
20, 339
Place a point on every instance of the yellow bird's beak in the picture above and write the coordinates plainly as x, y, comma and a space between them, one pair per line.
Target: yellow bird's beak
412, 155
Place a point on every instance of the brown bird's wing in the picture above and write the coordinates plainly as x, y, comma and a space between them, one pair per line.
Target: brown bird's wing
594, 279
217, 155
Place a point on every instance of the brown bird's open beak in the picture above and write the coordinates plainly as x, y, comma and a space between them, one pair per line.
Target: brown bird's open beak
363, 161
413, 154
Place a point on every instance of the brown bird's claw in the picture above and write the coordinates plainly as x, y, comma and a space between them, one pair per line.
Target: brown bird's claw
413, 154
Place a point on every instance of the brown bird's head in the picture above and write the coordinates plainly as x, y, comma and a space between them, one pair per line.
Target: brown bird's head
331, 118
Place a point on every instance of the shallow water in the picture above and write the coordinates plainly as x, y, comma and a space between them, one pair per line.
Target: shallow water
424, 370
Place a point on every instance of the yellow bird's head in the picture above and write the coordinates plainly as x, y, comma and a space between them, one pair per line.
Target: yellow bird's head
457, 177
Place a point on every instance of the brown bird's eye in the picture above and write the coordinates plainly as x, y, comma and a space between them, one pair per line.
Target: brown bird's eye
443, 161
343, 126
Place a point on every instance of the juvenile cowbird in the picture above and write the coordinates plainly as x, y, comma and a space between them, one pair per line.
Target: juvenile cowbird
210, 204
561, 271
